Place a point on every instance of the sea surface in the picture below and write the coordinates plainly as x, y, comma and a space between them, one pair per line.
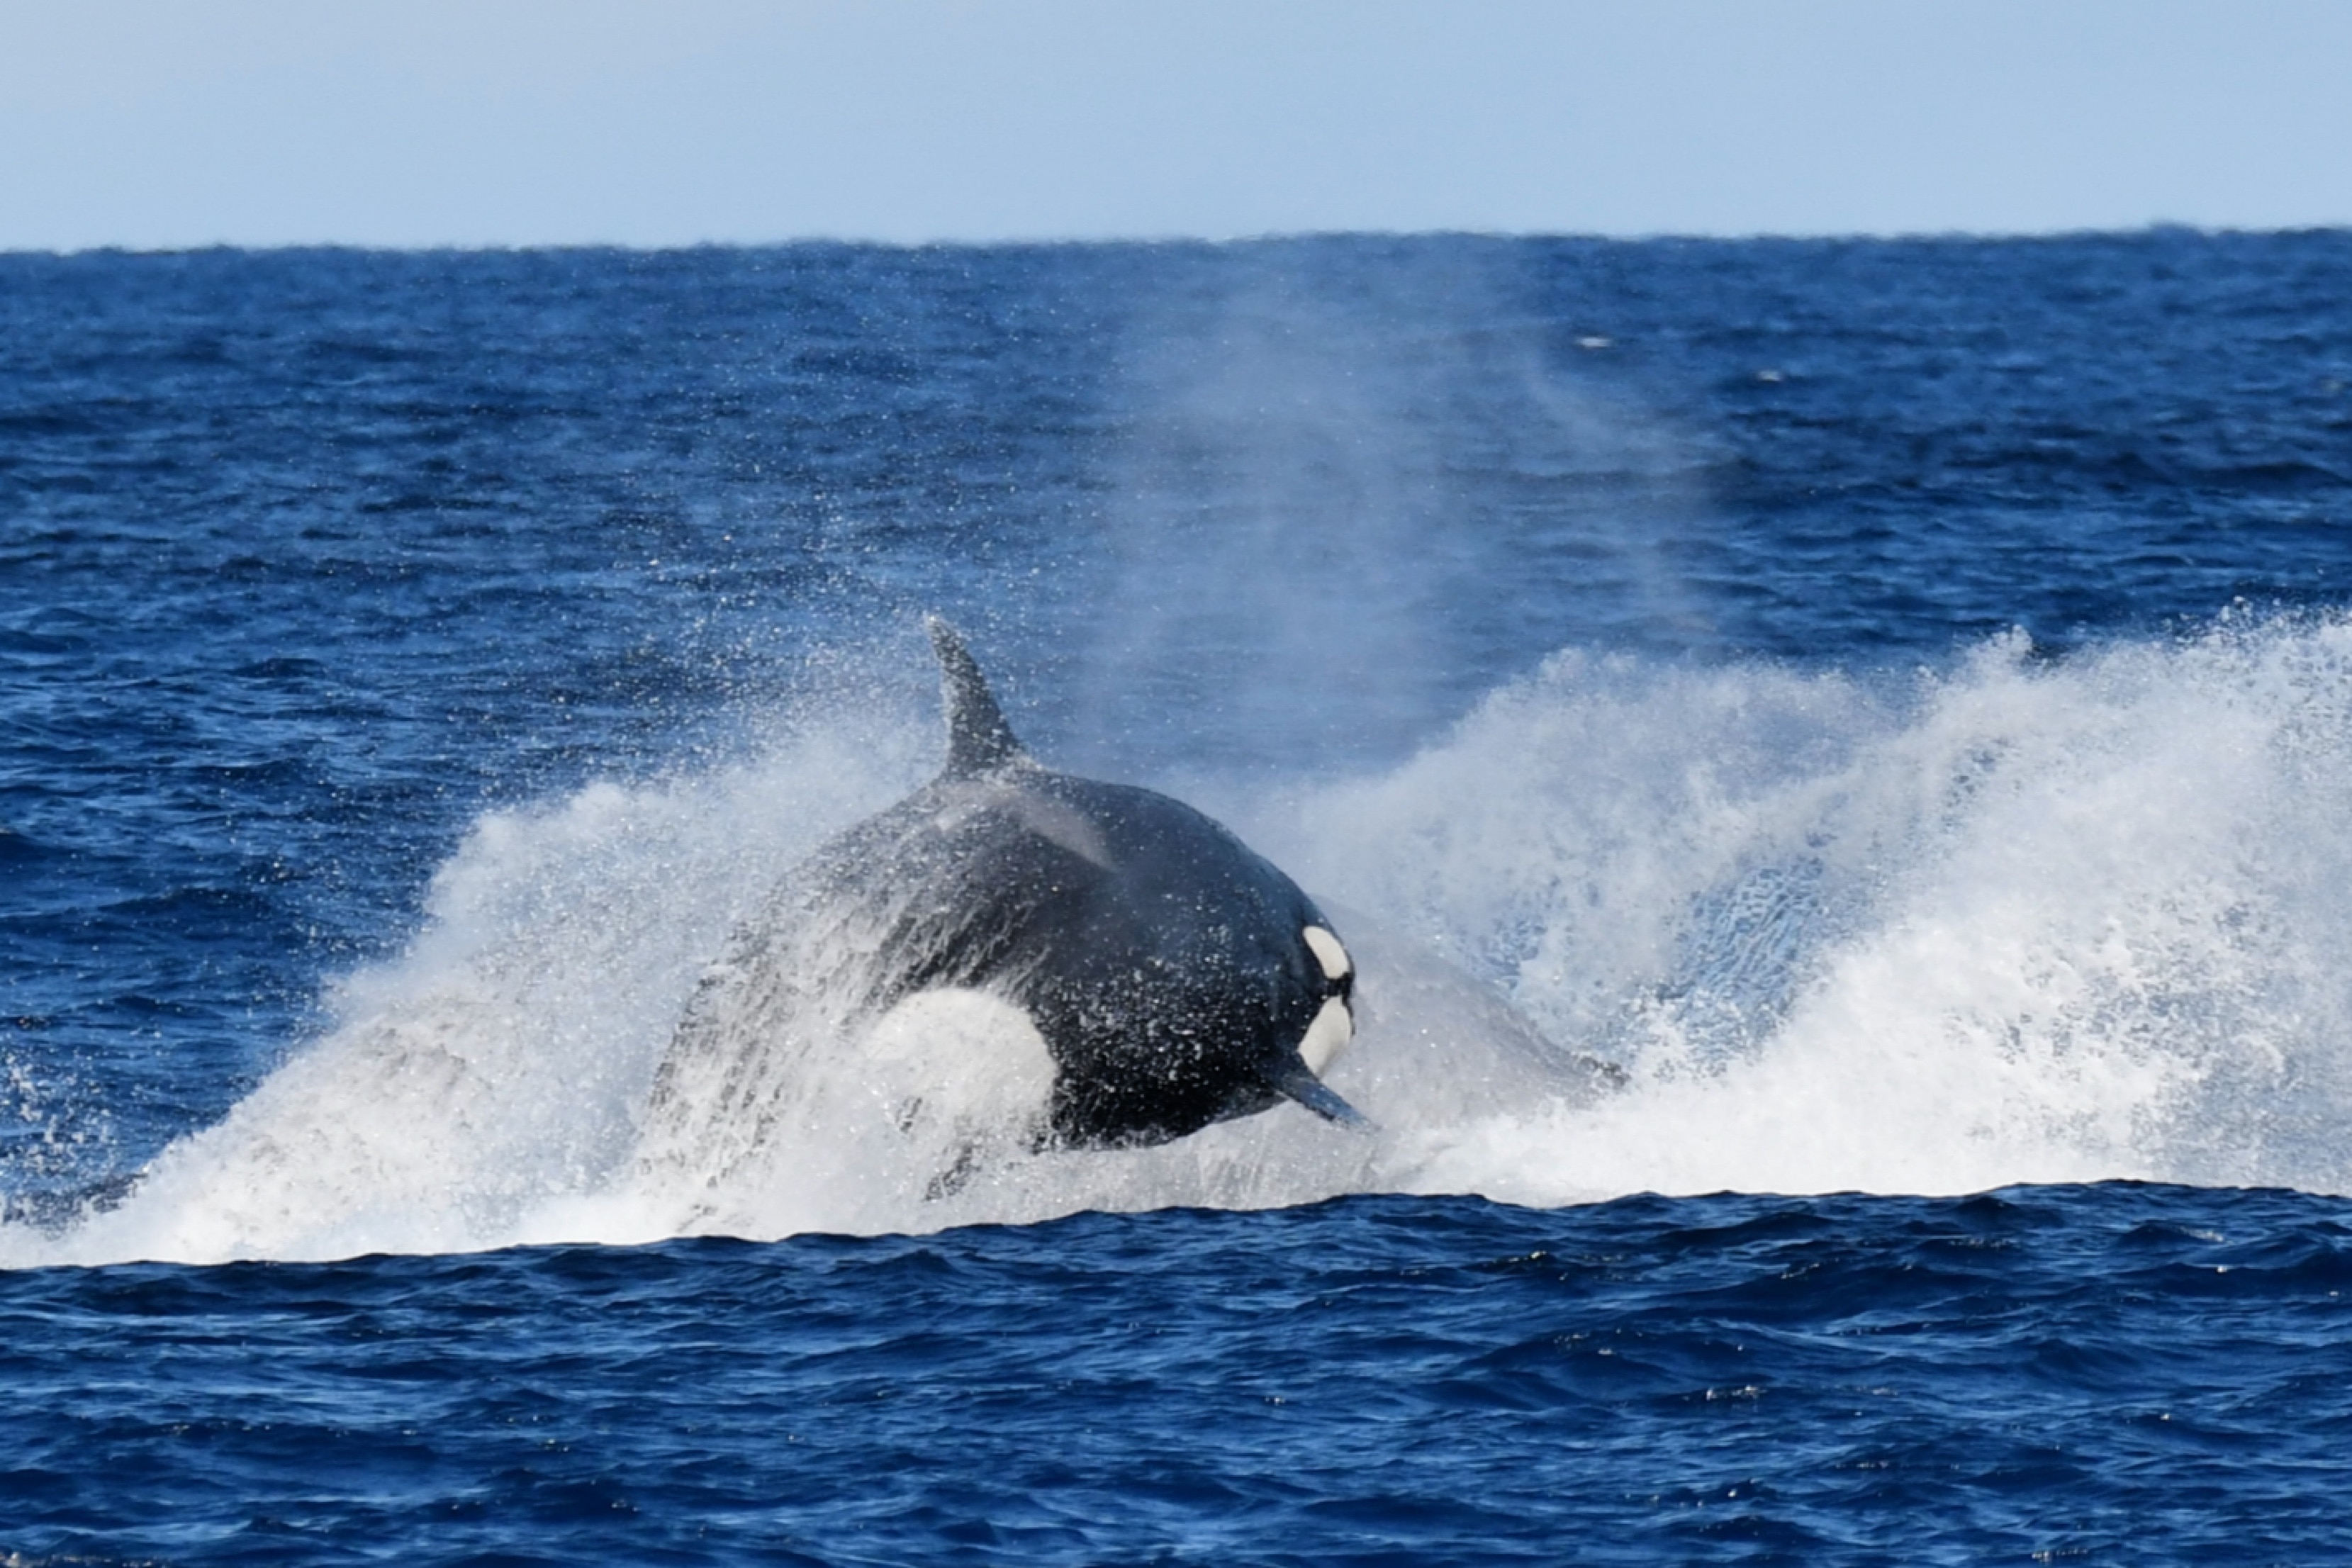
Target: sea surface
1891, 700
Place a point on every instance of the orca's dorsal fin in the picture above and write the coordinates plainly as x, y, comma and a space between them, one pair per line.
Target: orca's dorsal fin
978, 739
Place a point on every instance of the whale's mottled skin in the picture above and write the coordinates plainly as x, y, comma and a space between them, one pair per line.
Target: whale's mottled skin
1176, 977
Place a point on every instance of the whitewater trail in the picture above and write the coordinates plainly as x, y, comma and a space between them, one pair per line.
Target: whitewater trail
2019, 921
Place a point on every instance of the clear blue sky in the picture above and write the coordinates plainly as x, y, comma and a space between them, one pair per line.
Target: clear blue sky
406, 122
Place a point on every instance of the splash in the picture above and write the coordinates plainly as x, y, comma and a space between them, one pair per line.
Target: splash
2017, 921
2022, 923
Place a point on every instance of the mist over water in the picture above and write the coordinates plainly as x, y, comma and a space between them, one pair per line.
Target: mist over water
1338, 505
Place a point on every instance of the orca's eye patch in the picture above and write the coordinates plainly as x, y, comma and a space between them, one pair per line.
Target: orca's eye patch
1337, 966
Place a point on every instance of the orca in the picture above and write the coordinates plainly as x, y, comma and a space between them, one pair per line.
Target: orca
1174, 977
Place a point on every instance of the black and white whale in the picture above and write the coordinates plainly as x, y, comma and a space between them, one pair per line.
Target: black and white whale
1174, 977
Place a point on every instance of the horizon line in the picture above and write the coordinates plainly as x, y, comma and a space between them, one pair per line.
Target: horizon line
1194, 241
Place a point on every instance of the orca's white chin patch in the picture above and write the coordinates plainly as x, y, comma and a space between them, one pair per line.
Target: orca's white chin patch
1328, 1035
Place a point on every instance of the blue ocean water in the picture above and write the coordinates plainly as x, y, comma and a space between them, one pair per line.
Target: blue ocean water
1893, 698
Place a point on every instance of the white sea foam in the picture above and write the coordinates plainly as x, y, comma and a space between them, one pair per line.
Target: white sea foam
2019, 921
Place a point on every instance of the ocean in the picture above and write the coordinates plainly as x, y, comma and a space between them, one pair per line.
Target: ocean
1891, 700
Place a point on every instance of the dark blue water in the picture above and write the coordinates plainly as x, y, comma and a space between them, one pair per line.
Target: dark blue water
2038, 1375
1892, 698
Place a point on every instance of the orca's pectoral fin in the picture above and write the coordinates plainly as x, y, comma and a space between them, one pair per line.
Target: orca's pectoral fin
1296, 1082
978, 739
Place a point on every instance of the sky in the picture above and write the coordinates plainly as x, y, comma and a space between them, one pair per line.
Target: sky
168, 124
